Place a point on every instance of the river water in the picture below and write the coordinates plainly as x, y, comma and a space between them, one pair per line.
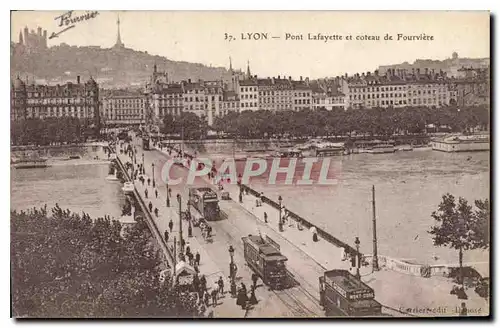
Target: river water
79, 185
409, 186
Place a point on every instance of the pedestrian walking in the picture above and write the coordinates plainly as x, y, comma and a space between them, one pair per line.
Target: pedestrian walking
220, 283
265, 217
190, 258
156, 212
255, 278
170, 225
196, 282
203, 282
242, 299
253, 299
150, 207
207, 298
214, 297
149, 181
156, 193
244, 288
165, 234
197, 258
146, 193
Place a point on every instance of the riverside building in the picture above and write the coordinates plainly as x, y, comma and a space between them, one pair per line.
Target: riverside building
123, 107
80, 100
398, 88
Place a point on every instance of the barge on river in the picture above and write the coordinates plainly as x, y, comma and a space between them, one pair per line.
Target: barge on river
462, 143
30, 164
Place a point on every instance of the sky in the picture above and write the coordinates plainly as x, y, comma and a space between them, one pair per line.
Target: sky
199, 37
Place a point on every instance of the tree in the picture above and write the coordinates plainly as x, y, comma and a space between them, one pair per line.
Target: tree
460, 228
67, 265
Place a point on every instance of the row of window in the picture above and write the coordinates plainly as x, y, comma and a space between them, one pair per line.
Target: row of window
252, 104
329, 101
247, 89
396, 88
59, 101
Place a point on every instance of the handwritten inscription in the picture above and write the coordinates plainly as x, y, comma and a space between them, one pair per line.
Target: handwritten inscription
69, 21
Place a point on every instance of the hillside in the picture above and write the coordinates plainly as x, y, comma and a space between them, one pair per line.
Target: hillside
115, 67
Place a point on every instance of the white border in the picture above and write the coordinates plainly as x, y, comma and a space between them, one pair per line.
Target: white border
185, 5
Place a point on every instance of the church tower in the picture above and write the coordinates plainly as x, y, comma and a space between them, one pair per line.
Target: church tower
119, 43
249, 75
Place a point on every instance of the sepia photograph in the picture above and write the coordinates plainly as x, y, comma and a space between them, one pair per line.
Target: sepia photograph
250, 164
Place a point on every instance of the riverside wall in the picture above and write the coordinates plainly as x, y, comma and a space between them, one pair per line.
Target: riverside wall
59, 151
149, 219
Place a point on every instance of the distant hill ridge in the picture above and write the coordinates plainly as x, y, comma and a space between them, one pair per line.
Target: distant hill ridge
111, 67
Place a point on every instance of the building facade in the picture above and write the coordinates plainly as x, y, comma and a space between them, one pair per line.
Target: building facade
276, 94
398, 88
80, 100
302, 95
230, 103
123, 107
214, 100
472, 87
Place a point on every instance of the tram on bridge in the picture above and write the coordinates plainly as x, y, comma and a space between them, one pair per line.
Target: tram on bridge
342, 294
266, 260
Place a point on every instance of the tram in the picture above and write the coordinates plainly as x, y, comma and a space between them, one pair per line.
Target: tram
206, 202
342, 294
264, 257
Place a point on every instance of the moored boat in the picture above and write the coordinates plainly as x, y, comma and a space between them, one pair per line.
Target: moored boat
30, 164
462, 143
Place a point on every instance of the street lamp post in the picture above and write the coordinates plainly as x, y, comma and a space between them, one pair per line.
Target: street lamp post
168, 196
153, 168
143, 170
179, 199
231, 271
356, 241
280, 223
190, 228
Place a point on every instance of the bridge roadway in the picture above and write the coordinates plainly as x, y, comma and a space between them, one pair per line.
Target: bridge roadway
298, 301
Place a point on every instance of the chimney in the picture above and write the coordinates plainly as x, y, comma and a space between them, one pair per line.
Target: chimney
376, 72
279, 77
78, 79
272, 79
368, 74
289, 78
426, 71
255, 76
189, 80
39, 30
345, 75
301, 78
363, 74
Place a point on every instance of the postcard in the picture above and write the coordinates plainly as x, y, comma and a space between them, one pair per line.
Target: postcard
257, 164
